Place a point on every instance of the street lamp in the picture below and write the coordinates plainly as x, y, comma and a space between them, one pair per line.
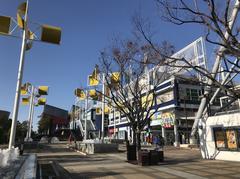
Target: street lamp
49, 34
33, 99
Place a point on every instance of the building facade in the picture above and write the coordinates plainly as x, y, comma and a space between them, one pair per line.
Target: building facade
177, 101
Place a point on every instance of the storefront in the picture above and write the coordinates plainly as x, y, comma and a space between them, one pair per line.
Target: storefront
220, 137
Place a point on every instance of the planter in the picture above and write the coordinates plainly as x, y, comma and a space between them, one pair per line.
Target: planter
131, 152
143, 157
154, 157
161, 155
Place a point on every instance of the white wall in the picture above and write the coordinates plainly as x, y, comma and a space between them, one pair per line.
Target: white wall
207, 143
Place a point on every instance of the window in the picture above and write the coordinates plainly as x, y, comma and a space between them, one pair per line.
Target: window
219, 136
227, 138
192, 94
231, 139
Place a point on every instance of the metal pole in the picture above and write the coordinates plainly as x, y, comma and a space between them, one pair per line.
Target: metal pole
86, 108
30, 115
185, 111
114, 120
103, 104
32, 111
214, 70
19, 83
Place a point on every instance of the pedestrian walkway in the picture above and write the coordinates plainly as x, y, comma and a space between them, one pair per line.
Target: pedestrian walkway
179, 163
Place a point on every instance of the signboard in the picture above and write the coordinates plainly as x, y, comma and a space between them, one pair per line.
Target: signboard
165, 119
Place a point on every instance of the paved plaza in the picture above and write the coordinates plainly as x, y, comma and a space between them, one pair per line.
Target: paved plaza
179, 163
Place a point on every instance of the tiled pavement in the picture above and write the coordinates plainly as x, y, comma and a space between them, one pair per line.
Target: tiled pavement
179, 163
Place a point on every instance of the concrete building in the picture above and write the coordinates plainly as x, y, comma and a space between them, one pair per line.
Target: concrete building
178, 99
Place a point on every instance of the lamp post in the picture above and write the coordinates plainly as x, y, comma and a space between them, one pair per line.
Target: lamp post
49, 34
103, 105
19, 83
35, 93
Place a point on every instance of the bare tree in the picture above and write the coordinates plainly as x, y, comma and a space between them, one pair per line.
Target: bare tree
132, 89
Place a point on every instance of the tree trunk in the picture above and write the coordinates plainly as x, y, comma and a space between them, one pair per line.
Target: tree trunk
138, 140
134, 137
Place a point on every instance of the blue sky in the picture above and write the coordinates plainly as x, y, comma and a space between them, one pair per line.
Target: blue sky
87, 27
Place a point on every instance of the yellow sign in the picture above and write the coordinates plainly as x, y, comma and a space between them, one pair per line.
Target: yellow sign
21, 12
106, 110
23, 90
92, 93
25, 101
92, 81
43, 90
95, 72
80, 93
51, 34
98, 111
115, 77
5, 24
42, 101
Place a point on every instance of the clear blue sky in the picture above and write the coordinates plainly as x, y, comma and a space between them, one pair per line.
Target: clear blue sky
87, 28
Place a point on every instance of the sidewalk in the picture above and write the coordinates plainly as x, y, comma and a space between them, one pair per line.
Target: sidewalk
179, 163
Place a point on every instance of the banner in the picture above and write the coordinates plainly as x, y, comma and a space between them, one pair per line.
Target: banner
165, 119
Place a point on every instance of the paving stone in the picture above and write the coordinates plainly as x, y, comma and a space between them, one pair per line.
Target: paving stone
220, 177
235, 176
195, 167
219, 171
178, 168
137, 176
165, 175
199, 172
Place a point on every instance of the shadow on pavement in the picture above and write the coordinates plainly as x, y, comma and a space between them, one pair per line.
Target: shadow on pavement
92, 174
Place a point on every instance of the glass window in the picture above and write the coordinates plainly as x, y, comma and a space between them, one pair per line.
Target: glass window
188, 93
219, 135
231, 139
238, 138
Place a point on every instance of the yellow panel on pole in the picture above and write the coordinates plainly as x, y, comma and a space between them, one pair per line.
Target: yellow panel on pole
25, 101
22, 9
51, 34
115, 77
80, 93
42, 101
23, 90
92, 93
5, 24
43, 90
95, 72
98, 111
106, 110
92, 81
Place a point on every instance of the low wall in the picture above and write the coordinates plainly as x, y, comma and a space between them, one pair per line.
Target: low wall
28, 169
92, 148
208, 146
